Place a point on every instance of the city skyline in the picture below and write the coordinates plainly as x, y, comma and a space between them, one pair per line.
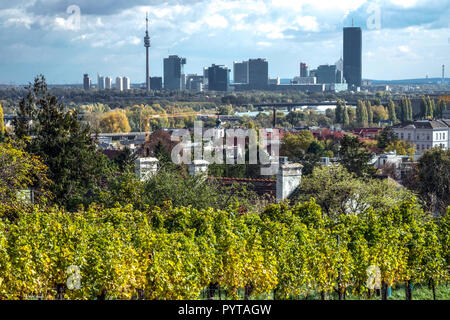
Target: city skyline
109, 39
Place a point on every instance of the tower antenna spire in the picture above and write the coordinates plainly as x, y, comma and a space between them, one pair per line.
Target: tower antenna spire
147, 46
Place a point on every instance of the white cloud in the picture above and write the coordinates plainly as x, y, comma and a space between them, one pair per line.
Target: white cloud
216, 21
405, 3
308, 23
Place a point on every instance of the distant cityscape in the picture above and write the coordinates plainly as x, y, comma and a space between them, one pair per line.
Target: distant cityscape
253, 74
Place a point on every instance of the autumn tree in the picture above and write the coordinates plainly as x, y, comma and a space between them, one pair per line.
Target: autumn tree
401, 147
115, 122
2, 124
391, 110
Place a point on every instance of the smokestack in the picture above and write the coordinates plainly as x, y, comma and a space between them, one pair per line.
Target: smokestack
443, 73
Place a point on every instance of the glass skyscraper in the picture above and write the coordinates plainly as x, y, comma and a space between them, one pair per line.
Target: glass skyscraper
353, 56
173, 69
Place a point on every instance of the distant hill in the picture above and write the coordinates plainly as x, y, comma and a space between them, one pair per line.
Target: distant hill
411, 81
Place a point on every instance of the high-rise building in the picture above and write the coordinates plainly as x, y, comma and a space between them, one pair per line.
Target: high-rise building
205, 76
108, 83
126, 83
326, 74
304, 70
100, 82
86, 82
119, 84
192, 81
147, 62
156, 83
173, 69
240, 72
353, 56
339, 71
258, 74
218, 78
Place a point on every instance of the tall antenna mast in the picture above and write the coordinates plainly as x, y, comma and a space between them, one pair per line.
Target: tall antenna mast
147, 46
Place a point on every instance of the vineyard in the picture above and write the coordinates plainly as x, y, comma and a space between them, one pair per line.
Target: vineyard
184, 253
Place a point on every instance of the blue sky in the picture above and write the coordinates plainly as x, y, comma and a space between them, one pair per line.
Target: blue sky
401, 38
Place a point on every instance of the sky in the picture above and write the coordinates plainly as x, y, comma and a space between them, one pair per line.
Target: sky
63, 39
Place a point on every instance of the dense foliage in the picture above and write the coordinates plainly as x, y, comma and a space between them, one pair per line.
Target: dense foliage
173, 253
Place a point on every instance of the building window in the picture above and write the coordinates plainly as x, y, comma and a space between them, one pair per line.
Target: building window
401, 135
409, 136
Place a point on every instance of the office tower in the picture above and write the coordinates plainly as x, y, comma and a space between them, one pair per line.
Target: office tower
218, 78
173, 69
443, 73
119, 84
156, 83
258, 74
304, 70
147, 46
326, 74
205, 76
353, 56
86, 82
339, 71
126, 83
183, 81
193, 79
108, 83
240, 72
100, 82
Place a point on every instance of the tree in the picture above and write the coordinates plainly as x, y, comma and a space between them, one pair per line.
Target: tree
434, 179
403, 148
125, 160
424, 107
65, 146
369, 112
338, 111
362, 117
295, 145
409, 110
391, 110
379, 113
355, 157
403, 111
345, 117
2, 124
441, 107
430, 107
114, 122
19, 171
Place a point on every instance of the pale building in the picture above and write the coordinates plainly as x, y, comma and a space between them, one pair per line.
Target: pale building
108, 83
126, 83
119, 84
424, 134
